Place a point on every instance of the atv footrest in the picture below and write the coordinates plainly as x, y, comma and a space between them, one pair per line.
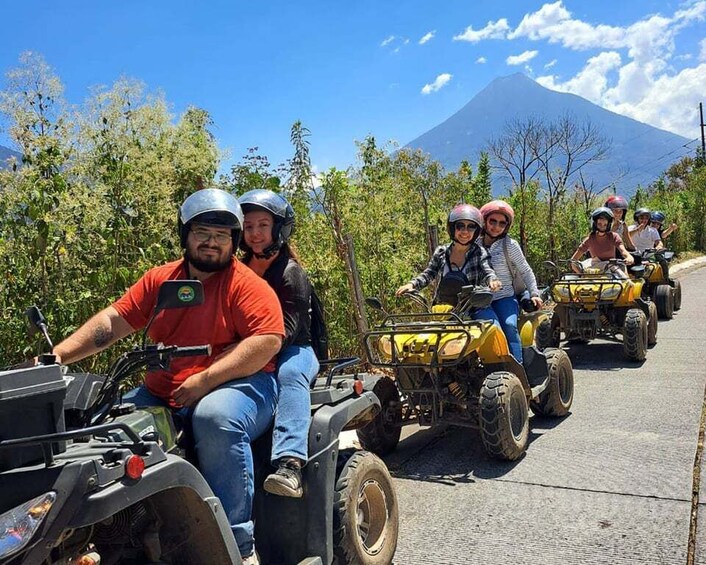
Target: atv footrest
535, 364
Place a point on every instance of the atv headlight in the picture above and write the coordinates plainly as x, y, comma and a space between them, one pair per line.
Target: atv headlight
453, 347
560, 293
610, 293
18, 526
385, 345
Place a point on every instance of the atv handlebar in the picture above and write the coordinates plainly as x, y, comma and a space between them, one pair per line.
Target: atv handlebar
192, 351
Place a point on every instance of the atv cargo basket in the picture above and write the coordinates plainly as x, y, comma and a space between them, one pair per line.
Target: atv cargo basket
31, 404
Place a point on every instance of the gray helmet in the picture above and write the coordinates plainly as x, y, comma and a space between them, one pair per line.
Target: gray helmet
464, 212
602, 212
640, 212
281, 210
211, 206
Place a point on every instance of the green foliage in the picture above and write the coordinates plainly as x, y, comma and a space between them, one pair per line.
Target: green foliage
94, 203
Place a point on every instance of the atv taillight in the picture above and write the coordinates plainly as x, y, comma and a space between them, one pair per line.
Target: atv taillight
134, 466
358, 387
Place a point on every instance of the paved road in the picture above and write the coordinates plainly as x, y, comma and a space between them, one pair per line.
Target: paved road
609, 484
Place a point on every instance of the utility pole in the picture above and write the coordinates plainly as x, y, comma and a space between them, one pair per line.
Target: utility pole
703, 130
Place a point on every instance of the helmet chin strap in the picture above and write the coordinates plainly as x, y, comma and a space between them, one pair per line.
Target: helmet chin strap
269, 251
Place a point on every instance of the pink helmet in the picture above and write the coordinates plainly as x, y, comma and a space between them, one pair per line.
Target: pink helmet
463, 212
499, 207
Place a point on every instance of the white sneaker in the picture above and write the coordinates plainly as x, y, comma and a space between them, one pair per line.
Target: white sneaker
251, 559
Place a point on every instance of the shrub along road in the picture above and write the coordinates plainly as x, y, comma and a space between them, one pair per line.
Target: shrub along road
611, 483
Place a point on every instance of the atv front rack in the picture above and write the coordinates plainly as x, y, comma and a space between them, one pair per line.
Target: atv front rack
423, 346
579, 290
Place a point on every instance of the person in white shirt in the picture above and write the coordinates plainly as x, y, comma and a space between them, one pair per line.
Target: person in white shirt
643, 235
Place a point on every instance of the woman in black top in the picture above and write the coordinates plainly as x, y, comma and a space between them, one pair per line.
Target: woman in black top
269, 220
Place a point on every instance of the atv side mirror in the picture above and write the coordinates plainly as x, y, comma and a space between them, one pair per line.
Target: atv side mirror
37, 323
175, 294
374, 302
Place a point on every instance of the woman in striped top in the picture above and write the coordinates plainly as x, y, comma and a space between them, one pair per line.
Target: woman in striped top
507, 259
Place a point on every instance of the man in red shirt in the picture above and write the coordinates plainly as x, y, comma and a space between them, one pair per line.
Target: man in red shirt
229, 395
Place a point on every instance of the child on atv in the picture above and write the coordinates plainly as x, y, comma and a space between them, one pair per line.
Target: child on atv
602, 244
462, 262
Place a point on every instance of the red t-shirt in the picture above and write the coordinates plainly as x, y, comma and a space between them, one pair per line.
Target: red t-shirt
602, 247
237, 304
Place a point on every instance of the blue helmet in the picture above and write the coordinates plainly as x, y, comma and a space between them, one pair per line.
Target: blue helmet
281, 210
658, 217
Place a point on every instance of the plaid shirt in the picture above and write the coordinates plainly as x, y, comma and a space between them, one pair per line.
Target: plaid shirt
476, 267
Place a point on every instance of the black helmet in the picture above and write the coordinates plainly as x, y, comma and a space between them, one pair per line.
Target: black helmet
281, 210
658, 217
602, 212
640, 212
464, 212
616, 202
214, 207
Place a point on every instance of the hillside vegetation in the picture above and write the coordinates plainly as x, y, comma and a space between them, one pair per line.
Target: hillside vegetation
94, 204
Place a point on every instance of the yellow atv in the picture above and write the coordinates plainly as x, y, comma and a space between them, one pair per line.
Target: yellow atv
664, 291
454, 370
599, 303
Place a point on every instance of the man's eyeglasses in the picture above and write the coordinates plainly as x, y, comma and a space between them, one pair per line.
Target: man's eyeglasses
202, 236
494, 222
460, 226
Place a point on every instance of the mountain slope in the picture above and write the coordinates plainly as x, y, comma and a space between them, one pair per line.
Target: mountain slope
5, 154
638, 154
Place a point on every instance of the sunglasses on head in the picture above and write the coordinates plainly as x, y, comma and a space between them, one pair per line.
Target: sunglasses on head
460, 226
494, 222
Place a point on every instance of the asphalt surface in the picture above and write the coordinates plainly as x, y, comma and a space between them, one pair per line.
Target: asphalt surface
609, 484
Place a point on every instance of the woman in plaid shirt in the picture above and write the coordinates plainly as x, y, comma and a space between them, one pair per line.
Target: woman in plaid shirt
462, 261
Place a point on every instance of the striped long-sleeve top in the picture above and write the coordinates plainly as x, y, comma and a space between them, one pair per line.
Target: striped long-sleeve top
519, 266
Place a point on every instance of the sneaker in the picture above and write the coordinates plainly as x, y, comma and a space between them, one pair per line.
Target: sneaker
251, 559
287, 480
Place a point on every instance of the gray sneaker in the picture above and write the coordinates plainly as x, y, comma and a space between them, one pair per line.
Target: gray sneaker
287, 480
251, 559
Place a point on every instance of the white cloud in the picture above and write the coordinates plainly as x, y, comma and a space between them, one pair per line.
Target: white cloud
387, 41
521, 58
635, 74
550, 64
591, 81
493, 30
481, 60
426, 37
440, 81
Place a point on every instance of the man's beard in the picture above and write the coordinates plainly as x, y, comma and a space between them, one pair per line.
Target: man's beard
210, 265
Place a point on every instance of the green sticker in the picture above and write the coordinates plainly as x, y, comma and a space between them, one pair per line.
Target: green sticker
186, 293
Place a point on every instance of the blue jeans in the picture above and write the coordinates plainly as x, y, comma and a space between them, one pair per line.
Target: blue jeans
225, 422
297, 369
507, 310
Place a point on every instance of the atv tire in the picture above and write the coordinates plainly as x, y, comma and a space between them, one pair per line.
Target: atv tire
556, 399
382, 435
365, 512
548, 333
652, 325
664, 298
504, 416
635, 335
677, 295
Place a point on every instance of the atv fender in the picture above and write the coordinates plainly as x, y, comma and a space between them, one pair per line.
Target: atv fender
173, 488
641, 303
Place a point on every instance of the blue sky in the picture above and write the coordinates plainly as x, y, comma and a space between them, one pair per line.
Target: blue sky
349, 69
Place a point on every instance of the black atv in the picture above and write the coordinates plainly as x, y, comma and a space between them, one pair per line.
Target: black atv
86, 479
